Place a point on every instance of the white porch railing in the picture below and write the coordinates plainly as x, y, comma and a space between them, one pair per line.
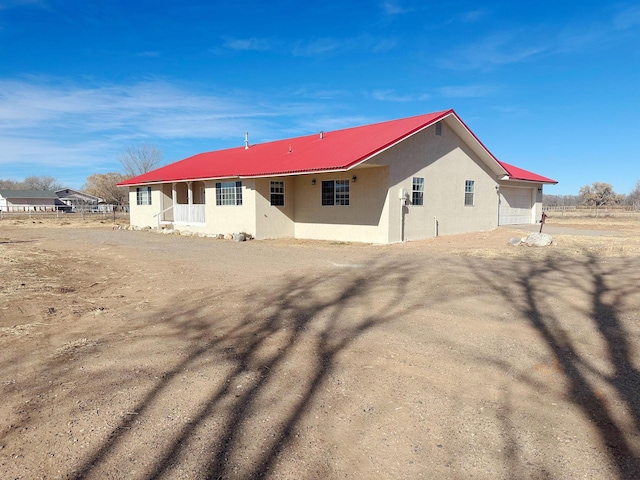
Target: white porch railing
188, 214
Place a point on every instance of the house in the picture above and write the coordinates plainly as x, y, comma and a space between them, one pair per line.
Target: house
28, 201
405, 179
79, 201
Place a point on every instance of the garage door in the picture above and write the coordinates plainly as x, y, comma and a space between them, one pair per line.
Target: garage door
515, 205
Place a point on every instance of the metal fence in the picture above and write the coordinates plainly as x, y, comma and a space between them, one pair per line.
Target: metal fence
51, 211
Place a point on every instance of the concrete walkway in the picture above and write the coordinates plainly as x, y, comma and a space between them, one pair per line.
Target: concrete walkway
559, 230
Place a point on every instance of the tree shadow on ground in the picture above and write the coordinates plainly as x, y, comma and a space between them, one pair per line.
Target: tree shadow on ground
272, 352
608, 288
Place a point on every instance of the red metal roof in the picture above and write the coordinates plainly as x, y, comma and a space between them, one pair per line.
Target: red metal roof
336, 150
516, 173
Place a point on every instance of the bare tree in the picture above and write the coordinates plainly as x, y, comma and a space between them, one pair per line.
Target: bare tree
599, 194
633, 198
10, 184
43, 182
103, 185
139, 159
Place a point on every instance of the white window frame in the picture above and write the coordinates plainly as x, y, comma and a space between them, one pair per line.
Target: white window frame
469, 193
276, 189
143, 195
417, 191
340, 193
229, 193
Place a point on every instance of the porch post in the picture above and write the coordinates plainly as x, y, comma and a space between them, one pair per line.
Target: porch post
174, 199
190, 186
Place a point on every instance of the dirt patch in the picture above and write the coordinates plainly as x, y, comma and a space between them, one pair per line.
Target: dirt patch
136, 355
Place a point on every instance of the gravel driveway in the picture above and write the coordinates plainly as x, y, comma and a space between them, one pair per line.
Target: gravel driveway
136, 355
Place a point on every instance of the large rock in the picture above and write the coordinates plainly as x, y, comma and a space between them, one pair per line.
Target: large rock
538, 240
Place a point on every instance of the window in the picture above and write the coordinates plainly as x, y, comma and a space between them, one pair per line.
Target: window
335, 192
439, 128
469, 190
229, 193
277, 193
417, 195
143, 195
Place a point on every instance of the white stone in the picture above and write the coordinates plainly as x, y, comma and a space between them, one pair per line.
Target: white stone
539, 240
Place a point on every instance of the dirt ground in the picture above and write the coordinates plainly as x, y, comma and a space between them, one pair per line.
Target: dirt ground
129, 354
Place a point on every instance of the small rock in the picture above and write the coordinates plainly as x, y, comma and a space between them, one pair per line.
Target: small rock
239, 237
515, 241
228, 236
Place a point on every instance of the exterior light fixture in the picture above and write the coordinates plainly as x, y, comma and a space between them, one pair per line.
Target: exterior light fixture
313, 181
354, 178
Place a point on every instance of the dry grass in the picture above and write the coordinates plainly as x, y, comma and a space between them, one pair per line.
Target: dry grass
63, 219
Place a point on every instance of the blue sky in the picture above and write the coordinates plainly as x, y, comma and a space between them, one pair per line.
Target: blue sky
552, 87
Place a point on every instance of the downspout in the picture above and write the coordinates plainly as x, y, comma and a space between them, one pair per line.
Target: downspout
402, 196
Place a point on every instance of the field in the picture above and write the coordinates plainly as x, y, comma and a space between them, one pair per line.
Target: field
128, 354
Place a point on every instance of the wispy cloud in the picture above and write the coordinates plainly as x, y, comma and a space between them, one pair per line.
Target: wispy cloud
317, 47
255, 44
524, 43
318, 93
59, 125
6, 4
494, 50
384, 45
474, 15
628, 18
150, 54
467, 91
390, 95
333, 46
393, 7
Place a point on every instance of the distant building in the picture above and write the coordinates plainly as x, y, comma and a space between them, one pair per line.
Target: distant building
77, 200
29, 201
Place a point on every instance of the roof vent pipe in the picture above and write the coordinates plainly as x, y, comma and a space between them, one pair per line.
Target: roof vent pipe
321, 134
246, 141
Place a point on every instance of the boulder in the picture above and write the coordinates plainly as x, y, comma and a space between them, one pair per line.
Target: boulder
538, 240
239, 237
228, 236
515, 241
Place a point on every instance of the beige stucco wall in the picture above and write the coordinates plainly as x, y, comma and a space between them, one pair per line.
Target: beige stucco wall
274, 221
363, 220
445, 163
230, 218
143, 215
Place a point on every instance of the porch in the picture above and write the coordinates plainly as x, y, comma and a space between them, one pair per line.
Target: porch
183, 203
